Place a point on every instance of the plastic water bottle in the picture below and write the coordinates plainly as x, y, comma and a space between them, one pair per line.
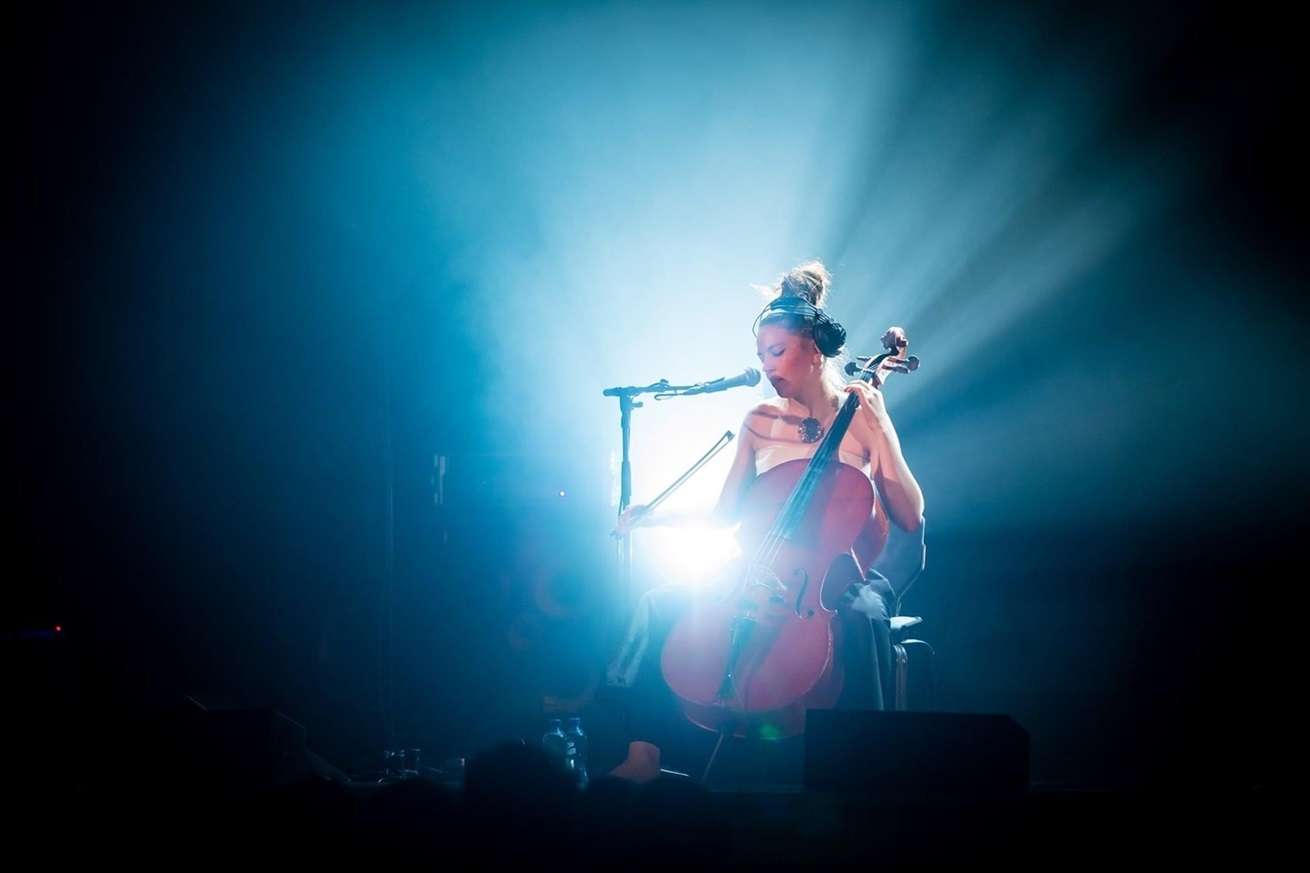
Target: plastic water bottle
554, 742
575, 751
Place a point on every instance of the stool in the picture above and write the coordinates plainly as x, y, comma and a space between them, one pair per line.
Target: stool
901, 642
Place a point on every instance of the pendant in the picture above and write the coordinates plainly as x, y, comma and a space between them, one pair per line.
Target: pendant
810, 430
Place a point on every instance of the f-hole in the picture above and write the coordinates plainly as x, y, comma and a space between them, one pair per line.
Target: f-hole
800, 594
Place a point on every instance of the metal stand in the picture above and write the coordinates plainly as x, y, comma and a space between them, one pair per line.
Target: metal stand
626, 405
662, 390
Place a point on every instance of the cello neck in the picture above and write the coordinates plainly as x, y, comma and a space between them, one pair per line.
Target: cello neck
798, 503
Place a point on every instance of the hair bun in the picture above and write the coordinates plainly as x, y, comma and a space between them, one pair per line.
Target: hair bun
809, 281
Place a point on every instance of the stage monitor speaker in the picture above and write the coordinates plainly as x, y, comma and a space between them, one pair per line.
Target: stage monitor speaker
909, 755
240, 749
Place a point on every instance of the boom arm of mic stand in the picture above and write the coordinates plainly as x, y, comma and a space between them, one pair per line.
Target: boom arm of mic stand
633, 390
685, 390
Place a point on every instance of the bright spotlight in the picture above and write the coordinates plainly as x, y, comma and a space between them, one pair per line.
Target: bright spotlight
690, 555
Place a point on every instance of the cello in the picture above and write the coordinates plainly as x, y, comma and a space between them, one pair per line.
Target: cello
752, 660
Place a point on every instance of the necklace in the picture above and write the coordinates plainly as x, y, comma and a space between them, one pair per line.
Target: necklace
811, 430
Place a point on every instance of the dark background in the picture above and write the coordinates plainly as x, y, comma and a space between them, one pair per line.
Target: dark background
227, 406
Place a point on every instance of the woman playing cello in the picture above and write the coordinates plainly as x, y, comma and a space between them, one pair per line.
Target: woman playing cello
797, 344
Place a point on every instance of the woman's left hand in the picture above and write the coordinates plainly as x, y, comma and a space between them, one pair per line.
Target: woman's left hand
872, 405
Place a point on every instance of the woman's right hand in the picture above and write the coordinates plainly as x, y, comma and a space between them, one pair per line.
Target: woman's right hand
633, 516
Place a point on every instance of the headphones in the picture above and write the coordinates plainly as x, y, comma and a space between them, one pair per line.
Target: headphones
829, 335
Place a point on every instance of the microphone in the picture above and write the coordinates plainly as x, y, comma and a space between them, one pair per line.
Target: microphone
749, 376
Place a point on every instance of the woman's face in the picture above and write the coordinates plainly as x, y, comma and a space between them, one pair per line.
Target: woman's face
791, 361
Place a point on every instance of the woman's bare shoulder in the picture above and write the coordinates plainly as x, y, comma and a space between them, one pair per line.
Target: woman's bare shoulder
771, 407
762, 414
760, 417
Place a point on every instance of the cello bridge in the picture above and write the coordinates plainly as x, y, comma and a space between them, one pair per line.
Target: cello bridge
762, 576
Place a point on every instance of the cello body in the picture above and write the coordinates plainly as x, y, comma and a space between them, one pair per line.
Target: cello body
752, 660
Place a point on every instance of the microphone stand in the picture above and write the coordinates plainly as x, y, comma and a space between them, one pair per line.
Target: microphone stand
661, 389
626, 405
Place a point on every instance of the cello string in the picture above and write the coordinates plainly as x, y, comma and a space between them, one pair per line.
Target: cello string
801, 495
